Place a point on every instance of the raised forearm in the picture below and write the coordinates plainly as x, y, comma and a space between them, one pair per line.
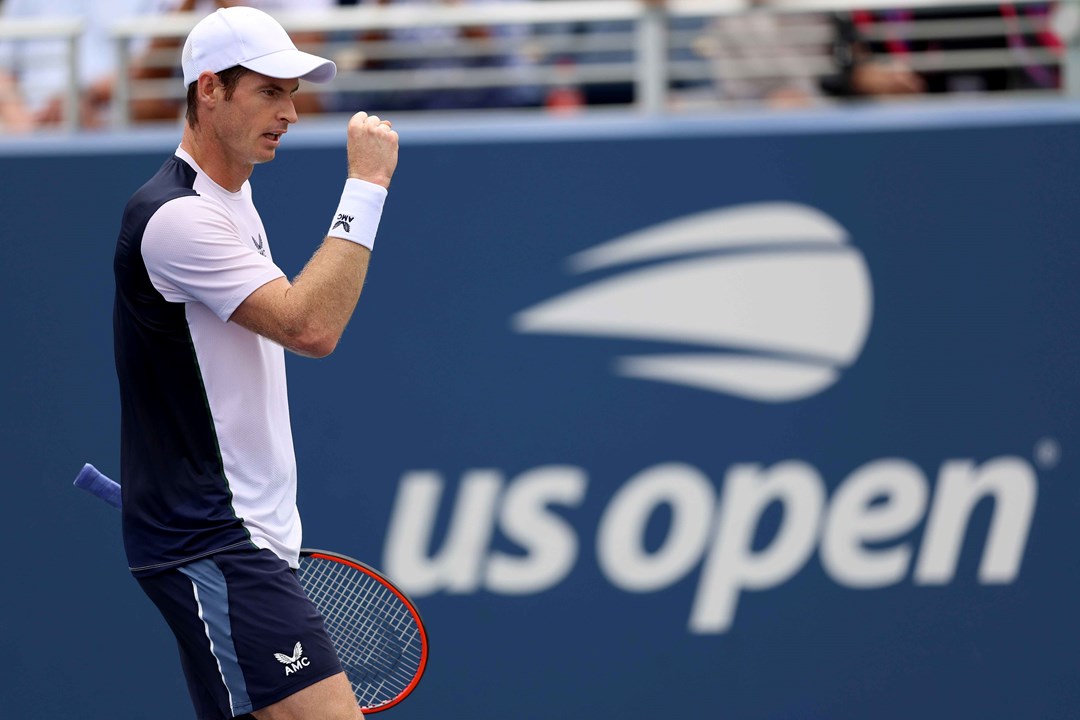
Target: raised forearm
324, 295
309, 315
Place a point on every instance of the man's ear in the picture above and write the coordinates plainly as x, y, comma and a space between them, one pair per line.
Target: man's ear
207, 83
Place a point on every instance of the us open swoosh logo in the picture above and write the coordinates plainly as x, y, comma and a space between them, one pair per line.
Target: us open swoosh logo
771, 300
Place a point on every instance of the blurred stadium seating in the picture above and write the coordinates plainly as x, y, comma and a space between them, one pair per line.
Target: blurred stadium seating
651, 56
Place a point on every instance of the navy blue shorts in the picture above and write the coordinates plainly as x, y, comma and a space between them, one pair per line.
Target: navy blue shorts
248, 635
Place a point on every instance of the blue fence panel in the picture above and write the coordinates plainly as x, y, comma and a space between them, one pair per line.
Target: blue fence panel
706, 418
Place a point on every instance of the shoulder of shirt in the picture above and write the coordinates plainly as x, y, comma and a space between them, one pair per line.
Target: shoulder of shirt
191, 210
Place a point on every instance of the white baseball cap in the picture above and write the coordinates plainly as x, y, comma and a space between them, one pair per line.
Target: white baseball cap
251, 38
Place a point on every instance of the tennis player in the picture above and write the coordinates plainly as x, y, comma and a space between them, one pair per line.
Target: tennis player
201, 317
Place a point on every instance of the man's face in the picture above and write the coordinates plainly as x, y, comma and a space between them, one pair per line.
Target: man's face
251, 122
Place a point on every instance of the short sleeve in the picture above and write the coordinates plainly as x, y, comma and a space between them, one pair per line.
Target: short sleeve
194, 252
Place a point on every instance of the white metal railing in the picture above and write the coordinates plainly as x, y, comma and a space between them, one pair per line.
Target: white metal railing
646, 46
646, 71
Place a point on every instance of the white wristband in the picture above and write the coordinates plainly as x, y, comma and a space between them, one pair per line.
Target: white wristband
358, 213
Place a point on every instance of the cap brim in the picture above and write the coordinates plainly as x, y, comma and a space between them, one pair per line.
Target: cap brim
286, 64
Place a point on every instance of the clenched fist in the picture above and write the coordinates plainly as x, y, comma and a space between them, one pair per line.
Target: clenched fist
373, 149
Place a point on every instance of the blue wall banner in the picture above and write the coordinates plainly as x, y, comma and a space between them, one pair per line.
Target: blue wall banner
708, 419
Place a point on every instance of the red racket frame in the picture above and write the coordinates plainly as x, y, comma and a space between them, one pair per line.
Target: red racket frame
385, 582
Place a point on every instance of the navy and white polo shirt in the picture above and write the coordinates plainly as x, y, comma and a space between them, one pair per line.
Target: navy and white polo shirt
207, 458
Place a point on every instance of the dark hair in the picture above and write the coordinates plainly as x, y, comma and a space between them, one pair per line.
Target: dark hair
229, 77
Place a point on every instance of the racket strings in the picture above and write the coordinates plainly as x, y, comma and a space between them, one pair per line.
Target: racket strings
376, 635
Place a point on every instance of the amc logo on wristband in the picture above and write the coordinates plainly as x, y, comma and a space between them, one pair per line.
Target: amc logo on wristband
358, 214
342, 221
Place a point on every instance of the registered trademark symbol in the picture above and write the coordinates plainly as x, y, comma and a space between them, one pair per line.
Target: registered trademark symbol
1047, 453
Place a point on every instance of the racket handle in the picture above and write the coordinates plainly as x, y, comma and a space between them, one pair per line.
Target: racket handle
94, 482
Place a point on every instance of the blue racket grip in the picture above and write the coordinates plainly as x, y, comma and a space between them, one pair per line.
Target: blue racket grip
94, 482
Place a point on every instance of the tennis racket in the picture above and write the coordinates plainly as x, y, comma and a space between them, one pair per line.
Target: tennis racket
376, 630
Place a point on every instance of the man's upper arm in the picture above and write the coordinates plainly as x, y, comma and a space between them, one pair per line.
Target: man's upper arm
263, 310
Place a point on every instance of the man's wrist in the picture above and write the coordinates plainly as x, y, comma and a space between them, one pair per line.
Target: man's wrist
382, 181
359, 211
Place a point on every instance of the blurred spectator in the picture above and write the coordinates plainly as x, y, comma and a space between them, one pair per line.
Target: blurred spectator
148, 67
767, 57
34, 73
756, 60
1028, 75
592, 46
601, 42
433, 44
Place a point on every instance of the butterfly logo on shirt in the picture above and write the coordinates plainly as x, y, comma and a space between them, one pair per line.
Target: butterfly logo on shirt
259, 244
